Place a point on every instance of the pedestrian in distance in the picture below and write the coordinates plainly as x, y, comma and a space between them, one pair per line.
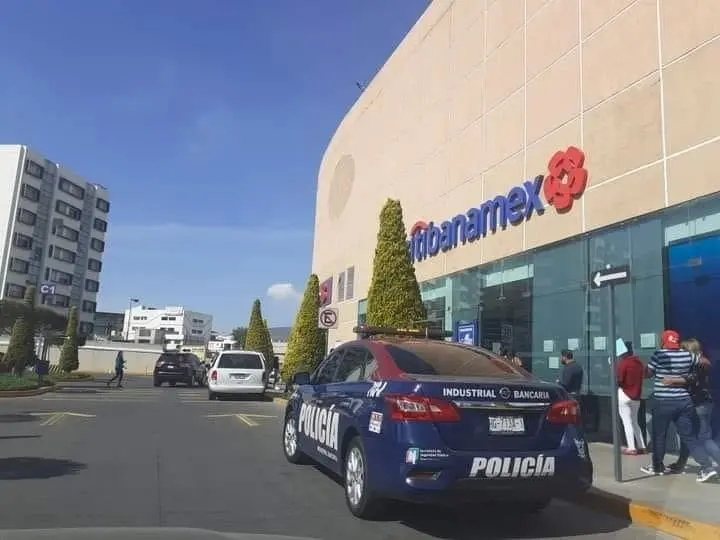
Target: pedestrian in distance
671, 404
119, 370
630, 377
698, 385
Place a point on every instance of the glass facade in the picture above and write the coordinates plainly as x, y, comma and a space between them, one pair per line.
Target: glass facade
540, 302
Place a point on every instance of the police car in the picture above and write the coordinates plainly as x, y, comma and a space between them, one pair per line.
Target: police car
406, 415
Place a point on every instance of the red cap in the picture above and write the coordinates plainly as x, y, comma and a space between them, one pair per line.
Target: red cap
670, 339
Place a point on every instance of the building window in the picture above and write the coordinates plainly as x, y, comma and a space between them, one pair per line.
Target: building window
92, 286
30, 193
22, 241
341, 287
97, 245
100, 225
58, 300
58, 276
63, 255
26, 216
71, 189
86, 328
88, 306
102, 205
61, 207
350, 283
66, 232
34, 169
94, 265
13, 290
19, 266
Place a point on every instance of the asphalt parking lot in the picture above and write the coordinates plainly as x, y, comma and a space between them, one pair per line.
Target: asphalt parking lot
141, 456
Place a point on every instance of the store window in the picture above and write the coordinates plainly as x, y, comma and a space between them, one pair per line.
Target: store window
362, 311
559, 307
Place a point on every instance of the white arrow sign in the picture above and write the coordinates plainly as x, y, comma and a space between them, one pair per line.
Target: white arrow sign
609, 276
53, 418
244, 418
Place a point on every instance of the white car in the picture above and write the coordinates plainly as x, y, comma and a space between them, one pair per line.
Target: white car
237, 372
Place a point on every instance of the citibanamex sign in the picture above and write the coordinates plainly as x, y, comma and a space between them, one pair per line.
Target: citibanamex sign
564, 183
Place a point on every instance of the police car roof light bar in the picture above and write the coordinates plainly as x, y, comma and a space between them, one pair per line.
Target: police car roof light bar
426, 333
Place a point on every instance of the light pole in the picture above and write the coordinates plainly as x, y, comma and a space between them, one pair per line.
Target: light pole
129, 317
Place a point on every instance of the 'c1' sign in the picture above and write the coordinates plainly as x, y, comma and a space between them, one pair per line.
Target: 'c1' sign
565, 182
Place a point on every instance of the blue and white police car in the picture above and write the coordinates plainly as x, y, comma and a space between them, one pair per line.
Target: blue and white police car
406, 415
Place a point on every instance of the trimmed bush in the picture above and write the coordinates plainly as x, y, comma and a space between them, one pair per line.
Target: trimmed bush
394, 299
69, 360
21, 349
306, 344
258, 337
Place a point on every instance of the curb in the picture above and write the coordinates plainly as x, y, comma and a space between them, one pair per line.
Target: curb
26, 393
647, 516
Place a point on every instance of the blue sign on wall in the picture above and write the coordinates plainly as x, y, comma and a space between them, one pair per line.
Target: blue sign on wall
467, 333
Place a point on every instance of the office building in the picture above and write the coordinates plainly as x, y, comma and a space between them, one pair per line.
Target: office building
53, 225
533, 143
171, 326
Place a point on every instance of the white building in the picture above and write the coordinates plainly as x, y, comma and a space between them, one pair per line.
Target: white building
52, 228
221, 343
172, 325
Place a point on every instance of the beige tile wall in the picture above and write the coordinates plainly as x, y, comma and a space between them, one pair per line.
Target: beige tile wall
482, 92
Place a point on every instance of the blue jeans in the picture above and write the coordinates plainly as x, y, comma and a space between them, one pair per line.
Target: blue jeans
704, 435
682, 413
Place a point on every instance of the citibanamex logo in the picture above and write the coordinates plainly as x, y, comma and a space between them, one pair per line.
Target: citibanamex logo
566, 179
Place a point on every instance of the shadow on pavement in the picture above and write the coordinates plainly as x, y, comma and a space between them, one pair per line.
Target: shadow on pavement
6, 437
17, 418
241, 397
489, 521
26, 468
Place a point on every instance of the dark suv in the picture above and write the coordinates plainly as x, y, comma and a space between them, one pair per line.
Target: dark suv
175, 367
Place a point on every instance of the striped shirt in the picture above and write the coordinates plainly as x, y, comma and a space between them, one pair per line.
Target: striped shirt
670, 363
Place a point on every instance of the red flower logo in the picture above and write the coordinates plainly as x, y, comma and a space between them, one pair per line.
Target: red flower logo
566, 180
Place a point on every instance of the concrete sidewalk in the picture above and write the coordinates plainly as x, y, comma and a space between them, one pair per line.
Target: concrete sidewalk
674, 504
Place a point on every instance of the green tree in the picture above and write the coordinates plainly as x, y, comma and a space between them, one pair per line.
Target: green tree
271, 349
306, 344
257, 338
21, 349
69, 360
394, 297
239, 334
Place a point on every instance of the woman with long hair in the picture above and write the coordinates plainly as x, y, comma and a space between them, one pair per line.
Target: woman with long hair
698, 385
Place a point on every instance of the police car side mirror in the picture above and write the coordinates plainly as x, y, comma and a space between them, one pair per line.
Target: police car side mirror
301, 378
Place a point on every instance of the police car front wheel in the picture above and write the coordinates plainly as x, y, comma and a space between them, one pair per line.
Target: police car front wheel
290, 441
360, 500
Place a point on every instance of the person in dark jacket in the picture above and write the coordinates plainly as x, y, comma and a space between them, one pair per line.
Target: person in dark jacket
119, 370
630, 377
571, 376
698, 384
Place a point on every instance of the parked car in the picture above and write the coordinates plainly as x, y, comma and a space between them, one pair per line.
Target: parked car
177, 367
237, 372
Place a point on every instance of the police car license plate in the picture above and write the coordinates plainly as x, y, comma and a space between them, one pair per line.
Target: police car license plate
507, 425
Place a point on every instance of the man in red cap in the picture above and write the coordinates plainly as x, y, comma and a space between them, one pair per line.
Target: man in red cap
672, 404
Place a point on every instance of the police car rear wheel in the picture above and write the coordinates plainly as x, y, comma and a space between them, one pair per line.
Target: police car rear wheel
358, 497
290, 440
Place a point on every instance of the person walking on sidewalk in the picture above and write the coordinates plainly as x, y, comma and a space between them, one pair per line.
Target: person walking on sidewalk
119, 370
698, 384
630, 377
672, 405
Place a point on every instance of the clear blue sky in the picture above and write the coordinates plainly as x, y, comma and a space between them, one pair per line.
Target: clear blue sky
206, 119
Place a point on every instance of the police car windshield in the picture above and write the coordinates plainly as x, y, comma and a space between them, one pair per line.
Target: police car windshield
439, 358
239, 361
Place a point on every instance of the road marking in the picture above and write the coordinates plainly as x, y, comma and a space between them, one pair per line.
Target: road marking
99, 400
245, 418
54, 418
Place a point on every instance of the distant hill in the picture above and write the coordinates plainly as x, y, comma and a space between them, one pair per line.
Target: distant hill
280, 333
